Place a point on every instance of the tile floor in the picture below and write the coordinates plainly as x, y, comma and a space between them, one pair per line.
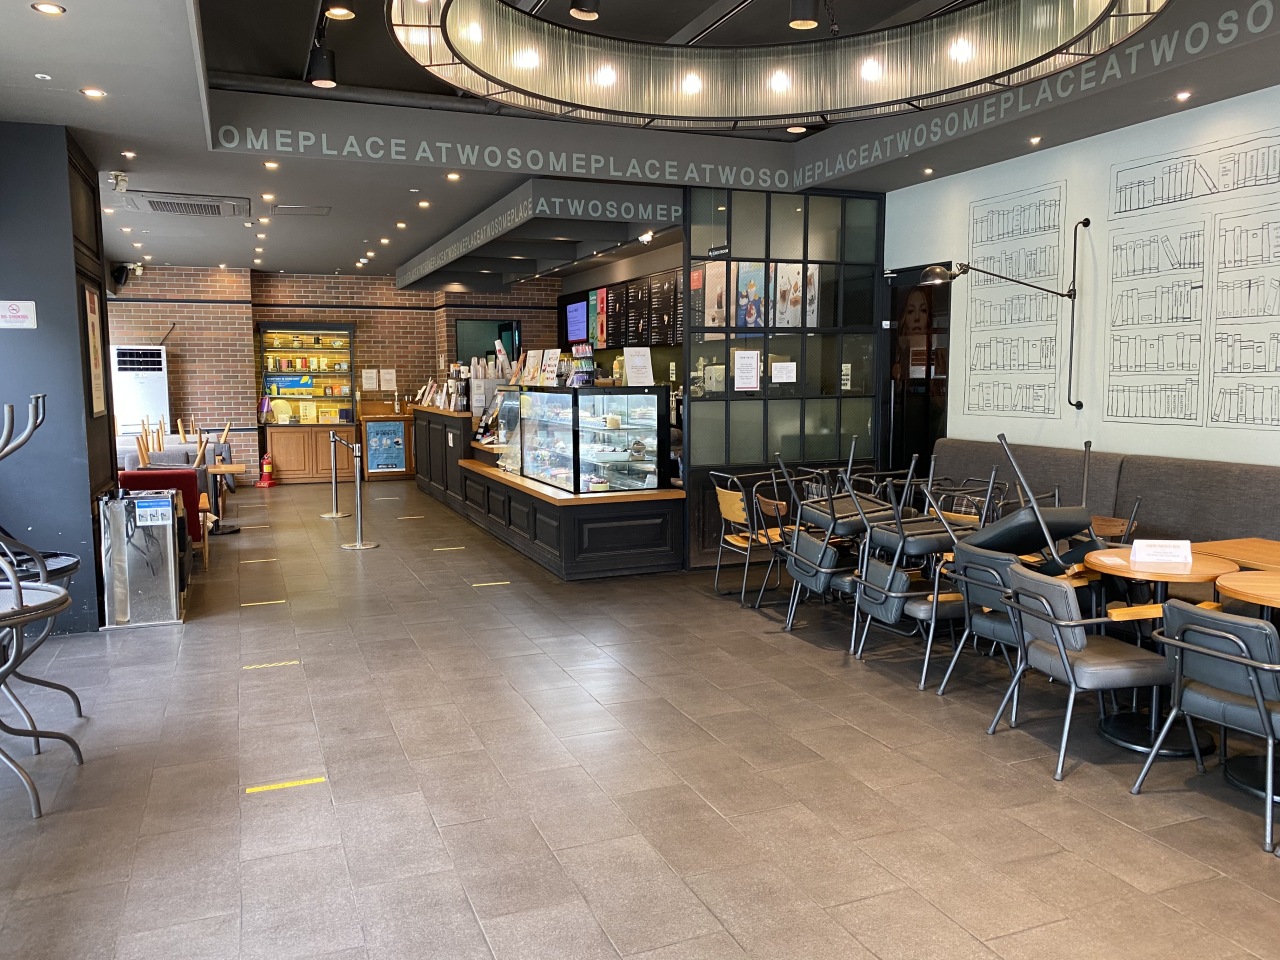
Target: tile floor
569, 771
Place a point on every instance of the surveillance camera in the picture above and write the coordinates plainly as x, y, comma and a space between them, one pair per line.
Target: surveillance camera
137, 269
119, 181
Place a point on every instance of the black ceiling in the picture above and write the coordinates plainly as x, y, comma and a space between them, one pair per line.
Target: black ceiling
272, 39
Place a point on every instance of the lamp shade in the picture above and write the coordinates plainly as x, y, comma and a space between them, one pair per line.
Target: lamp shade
585, 9
804, 14
322, 70
935, 275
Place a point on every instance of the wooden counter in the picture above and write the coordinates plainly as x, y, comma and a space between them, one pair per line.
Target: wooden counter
575, 536
300, 452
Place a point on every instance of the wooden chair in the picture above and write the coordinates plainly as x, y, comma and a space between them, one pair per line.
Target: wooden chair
738, 533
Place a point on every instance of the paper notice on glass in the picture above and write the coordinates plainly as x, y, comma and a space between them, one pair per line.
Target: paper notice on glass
532, 367
1161, 551
369, 379
846, 376
639, 366
783, 372
389, 379
746, 370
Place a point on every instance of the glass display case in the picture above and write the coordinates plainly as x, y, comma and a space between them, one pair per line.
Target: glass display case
593, 439
308, 373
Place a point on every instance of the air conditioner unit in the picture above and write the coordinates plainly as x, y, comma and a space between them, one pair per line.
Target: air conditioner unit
185, 204
139, 386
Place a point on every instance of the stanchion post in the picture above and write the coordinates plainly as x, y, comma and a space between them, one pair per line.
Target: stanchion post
359, 544
334, 513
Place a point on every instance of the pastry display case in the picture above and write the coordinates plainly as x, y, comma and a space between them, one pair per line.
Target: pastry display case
593, 439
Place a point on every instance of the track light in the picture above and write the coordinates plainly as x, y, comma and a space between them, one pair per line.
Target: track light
804, 14
339, 11
321, 69
585, 9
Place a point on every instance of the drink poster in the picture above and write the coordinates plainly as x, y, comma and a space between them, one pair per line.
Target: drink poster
787, 294
602, 313
750, 295
811, 296
593, 317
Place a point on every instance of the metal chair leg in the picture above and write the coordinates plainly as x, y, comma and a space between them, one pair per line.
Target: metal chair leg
41, 682
1008, 694
795, 602
1155, 751
49, 734
27, 782
1268, 844
1066, 732
29, 720
955, 658
1195, 743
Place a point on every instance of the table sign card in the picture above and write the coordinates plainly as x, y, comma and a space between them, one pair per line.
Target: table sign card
550, 367
1161, 551
532, 367
638, 364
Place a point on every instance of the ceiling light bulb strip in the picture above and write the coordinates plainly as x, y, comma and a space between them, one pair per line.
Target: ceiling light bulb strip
535, 64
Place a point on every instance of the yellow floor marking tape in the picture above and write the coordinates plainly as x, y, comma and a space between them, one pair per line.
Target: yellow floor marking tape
386, 498
415, 517
438, 549
495, 583
268, 560
282, 786
259, 526
260, 666
262, 603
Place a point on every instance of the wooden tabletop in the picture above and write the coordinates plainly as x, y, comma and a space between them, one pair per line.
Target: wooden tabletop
563, 497
1201, 569
1252, 553
1253, 586
226, 469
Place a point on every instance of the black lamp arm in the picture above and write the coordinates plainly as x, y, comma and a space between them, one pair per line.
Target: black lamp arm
1071, 342
970, 268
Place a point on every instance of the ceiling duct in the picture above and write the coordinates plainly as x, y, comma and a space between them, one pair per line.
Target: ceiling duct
188, 205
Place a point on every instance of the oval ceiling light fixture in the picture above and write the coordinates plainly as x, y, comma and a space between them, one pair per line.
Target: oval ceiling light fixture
42, 76
271, 164
804, 14
797, 129
338, 11
322, 68
49, 9
945, 59
585, 9
93, 93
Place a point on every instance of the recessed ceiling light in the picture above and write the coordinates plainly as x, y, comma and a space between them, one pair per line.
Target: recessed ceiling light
268, 197
413, 190
43, 76
336, 11
138, 246
370, 254
128, 154
359, 266
222, 266
108, 210
691, 84
271, 164
400, 225
256, 260
257, 249
385, 240
52, 9
146, 256
93, 93
264, 220
453, 176
1034, 141
928, 171
146, 231
585, 9
797, 129
363, 261
126, 229
1182, 96
423, 204
261, 236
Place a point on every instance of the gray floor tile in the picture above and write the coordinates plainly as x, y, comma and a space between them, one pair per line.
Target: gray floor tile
82, 924
297, 905
367, 769
422, 918
216, 938
506, 866
391, 838
567, 932
81, 849
464, 786
184, 876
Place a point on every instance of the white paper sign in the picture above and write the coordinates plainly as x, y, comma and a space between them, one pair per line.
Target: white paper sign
846, 376
783, 372
17, 314
389, 380
550, 366
639, 366
1161, 551
369, 379
746, 370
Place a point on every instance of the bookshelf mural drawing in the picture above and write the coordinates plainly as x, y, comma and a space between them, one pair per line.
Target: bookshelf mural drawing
1012, 363
1193, 332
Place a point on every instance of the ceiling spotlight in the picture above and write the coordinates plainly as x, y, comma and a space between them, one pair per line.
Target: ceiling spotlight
526, 59
1182, 96
928, 171
146, 256
42, 76
108, 210
804, 14
370, 254
261, 236
257, 249
222, 266
264, 220
385, 240
336, 11
137, 246
691, 84
322, 70
797, 129
52, 9
585, 9
126, 229
453, 177
271, 164
93, 93
256, 260
961, 50
400, 225
722, 209
363, 261
248, 224
128, 154
423, 204
268, 197
646, 237
359, 266
1034, 141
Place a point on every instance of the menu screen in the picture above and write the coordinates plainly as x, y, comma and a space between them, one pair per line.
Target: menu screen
576, 321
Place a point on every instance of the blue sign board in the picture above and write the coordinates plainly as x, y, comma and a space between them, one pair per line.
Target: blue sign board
384, 446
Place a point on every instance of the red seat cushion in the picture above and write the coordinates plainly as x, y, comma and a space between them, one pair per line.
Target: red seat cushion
176, 479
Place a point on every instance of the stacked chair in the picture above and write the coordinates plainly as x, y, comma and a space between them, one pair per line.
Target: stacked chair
33, 591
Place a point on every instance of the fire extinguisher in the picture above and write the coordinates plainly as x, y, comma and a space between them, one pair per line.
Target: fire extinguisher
267, 478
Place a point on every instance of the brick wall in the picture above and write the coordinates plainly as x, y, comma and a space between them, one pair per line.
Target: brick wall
214, 375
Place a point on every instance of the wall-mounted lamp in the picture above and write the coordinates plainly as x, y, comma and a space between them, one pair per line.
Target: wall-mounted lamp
938, 274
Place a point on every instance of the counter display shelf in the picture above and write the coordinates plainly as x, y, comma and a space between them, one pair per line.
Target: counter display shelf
308, 372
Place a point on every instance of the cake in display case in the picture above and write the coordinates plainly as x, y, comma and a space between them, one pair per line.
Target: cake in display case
593, 439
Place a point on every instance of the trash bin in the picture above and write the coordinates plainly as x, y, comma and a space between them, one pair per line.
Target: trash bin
141, 557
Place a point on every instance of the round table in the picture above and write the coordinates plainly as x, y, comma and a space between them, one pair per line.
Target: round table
1262, 587
1131, 729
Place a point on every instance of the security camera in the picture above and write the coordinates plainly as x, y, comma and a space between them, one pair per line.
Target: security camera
119, 181
137, 269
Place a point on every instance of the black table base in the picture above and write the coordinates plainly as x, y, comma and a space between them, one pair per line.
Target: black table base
1249, 773
1133, 732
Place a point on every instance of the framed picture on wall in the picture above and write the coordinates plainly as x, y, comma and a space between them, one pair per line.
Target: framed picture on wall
97, 371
